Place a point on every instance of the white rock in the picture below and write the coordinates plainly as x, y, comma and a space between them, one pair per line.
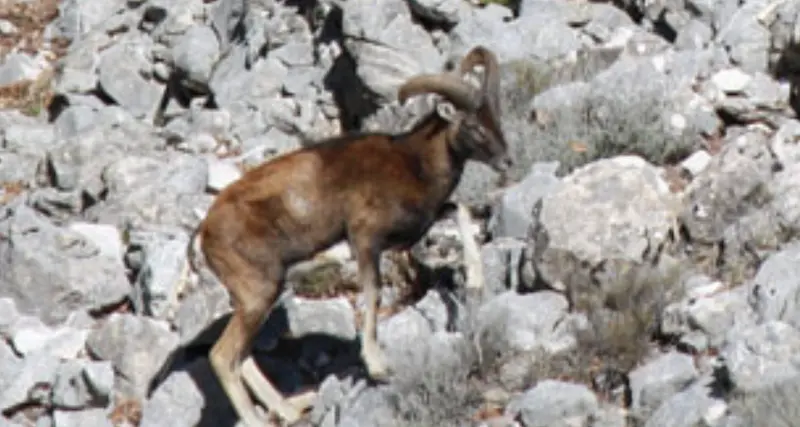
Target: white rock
221, 173
732, 80
29, 334
678, 121
697, 162
106, 237
7, 28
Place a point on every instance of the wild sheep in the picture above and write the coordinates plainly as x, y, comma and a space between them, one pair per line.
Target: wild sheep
377, 191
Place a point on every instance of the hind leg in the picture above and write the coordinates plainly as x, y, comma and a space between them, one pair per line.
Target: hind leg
288, 409
253, 293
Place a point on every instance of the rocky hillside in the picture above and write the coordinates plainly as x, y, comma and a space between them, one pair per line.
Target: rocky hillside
641, 267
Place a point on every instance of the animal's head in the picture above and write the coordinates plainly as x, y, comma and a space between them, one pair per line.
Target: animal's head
479, 132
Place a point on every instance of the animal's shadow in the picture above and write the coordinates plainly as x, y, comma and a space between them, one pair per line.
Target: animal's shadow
293, 365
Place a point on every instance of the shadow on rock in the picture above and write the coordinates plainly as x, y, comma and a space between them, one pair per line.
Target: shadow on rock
187, 392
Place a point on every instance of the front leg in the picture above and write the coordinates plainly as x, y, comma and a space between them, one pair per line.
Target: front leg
369, 279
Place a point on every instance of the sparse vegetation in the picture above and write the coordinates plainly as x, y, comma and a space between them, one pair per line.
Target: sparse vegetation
606, 121
431, 390
29, 19
606, 124
774, 406
618, 334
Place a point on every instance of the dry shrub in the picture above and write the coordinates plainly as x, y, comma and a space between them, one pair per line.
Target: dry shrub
31, 97
127, 412
618, 333
431, 390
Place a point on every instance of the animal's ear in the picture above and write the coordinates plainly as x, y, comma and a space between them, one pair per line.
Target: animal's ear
447, 111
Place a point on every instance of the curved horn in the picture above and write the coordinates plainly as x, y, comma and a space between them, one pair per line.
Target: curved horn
462, 95
481, 55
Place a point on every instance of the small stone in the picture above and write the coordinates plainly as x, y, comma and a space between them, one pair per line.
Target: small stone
732, 80
678, 121
697, 162
7, 28
221, 173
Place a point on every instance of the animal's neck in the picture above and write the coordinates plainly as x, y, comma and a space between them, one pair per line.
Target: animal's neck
441, 161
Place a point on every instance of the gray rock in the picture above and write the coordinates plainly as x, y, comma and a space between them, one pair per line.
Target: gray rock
512, 215
695, 34
30, 335
746, 40
331, 392
609, 211
81, 384
122, 76
402, 330
107, 238
161, 276
195, 53
233, 84
142, 192
554, 403
380, 39
659, 379
685, 409
137, 347
225, 15
785, 142
78, 163
31, 383
439, 11
605, 21
41, 259
502, 260
76, 119
296, 54
547, 36
199, 309
29, 138
762, 355
511, 323
774, 293
78, 18
369, 408
743, 166
784, 205
78, 73
715, 314
333, 317
181, 401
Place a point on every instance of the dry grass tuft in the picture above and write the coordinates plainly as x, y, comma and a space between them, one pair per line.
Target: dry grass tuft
31, 97
128, 412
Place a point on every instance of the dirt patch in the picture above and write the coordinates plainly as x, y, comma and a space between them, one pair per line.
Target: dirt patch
29, 19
